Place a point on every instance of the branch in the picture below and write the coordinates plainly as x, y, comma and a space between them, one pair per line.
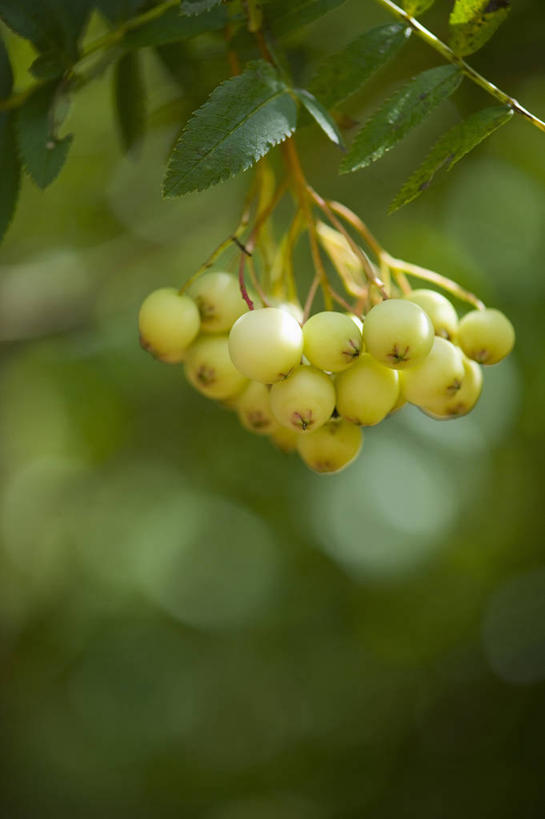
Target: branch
106, 41
449, 55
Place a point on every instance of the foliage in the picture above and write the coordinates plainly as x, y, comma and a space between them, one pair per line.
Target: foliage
247, 115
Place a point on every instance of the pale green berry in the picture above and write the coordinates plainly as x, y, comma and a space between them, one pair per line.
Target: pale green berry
209, 368
332, 447
285, 439
217, 295
438, 377
401, 397
304, 401
440, 310
332, 341
464, 400
486, 336
398, 333
358, 322
266, 344
168, 322
292, 308
367, 391
254, 409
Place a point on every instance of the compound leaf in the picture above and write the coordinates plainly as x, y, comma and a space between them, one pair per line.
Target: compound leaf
450, 148
42, 153
342, 74
414, 7
198, 6
6, 73
321, 115
241, 120
172, 27
129, 97
10, 172
473, 22
118, 10
407, 108
284, 16
51, 25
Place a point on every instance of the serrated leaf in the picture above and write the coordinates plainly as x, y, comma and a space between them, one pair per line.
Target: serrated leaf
51, 25
198, 6
129, 98
415, 7
10, 172
284, 16
42, 153
321, 115
6, 73
407, 108
450, 148
242, 119
342, 74
473, 22
172, 27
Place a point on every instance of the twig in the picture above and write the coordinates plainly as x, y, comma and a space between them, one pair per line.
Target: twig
449, 55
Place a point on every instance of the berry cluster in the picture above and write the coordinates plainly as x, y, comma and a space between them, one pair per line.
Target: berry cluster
311, 384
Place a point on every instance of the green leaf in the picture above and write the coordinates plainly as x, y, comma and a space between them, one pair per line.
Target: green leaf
342, 74
241, 120
10, 172
48, 65
42, 153
321, 115
51, 25
450, 148
284, 16
402, 112
130, 99
415, 7
473, 22
6, 73
171, 27
198, 6
118, 10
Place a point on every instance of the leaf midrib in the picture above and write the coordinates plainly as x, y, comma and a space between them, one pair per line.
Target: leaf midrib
226, 135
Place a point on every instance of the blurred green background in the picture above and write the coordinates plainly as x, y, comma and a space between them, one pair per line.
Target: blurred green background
193, 624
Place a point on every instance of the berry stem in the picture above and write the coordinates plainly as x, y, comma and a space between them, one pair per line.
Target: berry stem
310, 297
445, 51
242, 284
339, 299
400, 267
368, 267
302, 189
255, 282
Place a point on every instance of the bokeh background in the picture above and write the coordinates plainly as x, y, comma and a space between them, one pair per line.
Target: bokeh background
194, 625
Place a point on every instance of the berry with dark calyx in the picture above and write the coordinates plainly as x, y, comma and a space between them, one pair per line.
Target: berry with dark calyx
332, 341
217, 295
168, 322
439, 377
209, 368
254, 409
486, 336
398, 333
464, 400
367, 391
440, 310
266, 344
304, 401
332, 447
